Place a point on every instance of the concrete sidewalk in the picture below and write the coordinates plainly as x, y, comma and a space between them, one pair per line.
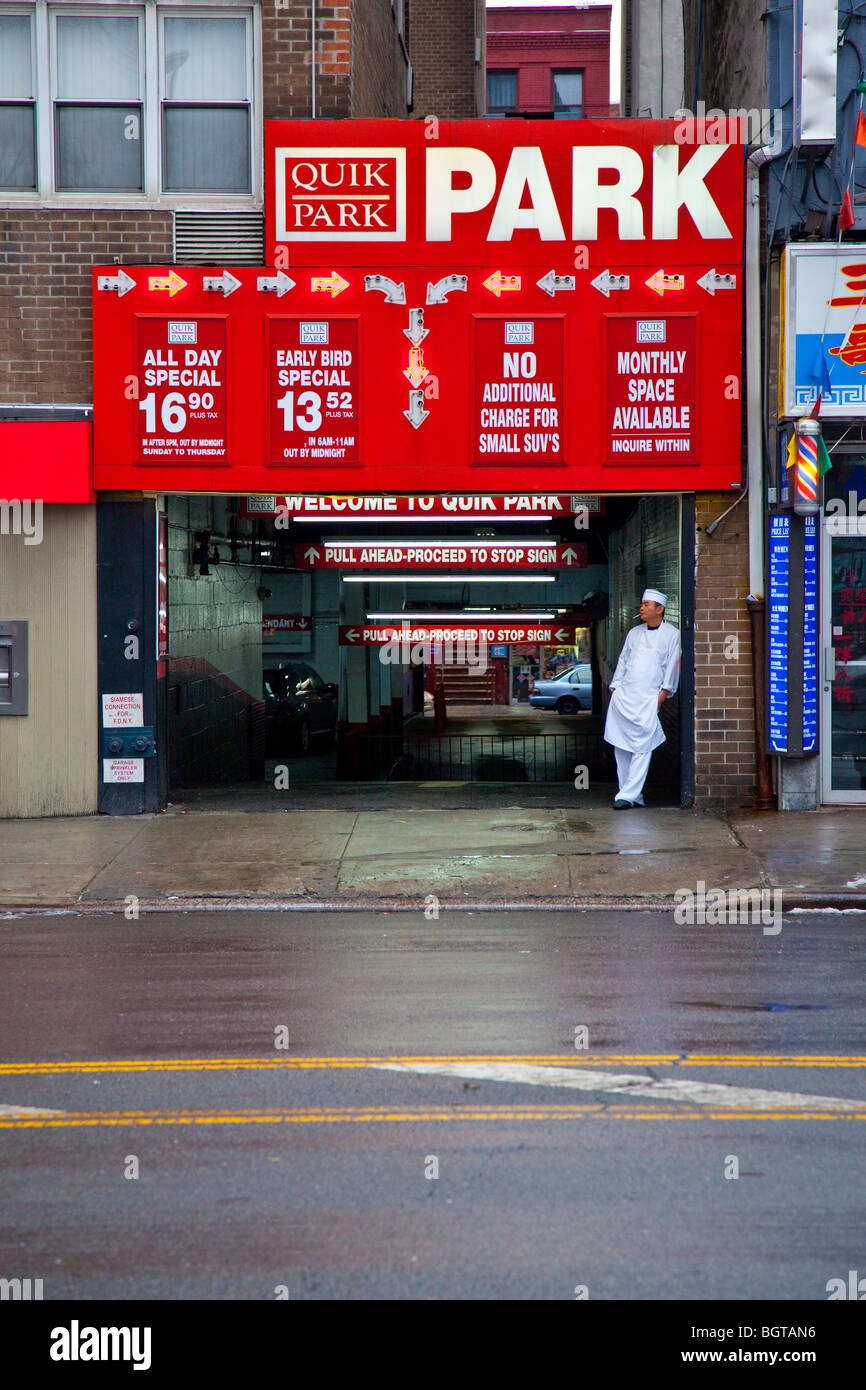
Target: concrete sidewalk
498, 852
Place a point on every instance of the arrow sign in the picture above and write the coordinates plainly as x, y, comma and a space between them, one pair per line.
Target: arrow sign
394, 293
458, 630
416, 332
438, 293
170, 282
224, 284
551, 282
278, 284
416, 371
332, 284
121, 283
454, 554
497, 282
605, 282
713, 281
661, 282
416, 414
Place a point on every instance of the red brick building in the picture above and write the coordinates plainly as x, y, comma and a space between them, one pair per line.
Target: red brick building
549, 61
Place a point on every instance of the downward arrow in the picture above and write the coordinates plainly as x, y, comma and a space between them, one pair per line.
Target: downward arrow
416, 332
416, 414
416, 371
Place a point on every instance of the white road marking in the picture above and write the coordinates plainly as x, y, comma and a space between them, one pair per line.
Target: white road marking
12, 1112
631, 1084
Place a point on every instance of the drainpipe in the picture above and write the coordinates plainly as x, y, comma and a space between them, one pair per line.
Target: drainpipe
313, 59
755, 406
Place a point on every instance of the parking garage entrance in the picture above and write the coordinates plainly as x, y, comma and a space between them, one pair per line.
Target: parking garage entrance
450, 643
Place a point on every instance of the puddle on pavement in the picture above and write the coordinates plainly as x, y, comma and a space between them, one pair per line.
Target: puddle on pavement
579, 827
772, 1008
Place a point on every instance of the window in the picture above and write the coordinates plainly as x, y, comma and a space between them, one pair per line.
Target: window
205, 105
98, 106
129, 101
17, 104
567, 94
501, 91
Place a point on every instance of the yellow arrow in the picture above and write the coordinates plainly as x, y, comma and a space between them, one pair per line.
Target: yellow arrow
497, 282
661, 282
416, 371
170, 282
333, 284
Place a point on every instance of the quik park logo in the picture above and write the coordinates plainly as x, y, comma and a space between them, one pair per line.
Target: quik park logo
355, 193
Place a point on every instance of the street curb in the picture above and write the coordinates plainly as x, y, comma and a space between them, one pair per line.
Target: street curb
790, 901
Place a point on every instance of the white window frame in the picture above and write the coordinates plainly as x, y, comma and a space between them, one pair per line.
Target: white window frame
187, 11
44, 57
27, 12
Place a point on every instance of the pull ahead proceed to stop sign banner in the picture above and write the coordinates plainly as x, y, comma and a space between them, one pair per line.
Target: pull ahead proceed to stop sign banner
379, 634
441, 555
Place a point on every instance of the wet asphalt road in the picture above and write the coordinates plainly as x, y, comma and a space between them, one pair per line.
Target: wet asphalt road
314, 1168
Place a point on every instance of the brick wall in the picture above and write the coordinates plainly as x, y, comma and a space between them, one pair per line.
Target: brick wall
46, 258
539, 42
447, 79
286, 66
379, 64
733, 70
724, 685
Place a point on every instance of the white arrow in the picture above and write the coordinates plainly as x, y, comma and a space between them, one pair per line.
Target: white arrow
438, 293
713, 281
277, 284
607, 282
552, 282
302, 624
311, 554
561, 634
394, 293
121, 283
225, 284
569, 555
352, 635
416, 414
416, 332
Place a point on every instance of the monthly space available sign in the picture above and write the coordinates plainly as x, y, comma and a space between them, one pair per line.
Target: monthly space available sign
476, 307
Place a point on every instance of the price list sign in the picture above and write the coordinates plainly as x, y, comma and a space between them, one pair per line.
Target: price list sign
778, 621
810, 635
793, 634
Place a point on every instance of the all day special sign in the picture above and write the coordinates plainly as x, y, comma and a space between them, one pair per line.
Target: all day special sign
479, 307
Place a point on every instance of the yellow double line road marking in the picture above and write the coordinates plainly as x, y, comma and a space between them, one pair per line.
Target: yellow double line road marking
398, 1115
569, 1059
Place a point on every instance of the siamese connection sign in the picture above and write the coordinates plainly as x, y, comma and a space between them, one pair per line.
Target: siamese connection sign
448, 308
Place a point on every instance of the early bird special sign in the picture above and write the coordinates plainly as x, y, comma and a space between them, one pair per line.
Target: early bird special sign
477, 307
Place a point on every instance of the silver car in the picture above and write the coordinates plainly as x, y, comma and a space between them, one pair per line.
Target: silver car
569, 693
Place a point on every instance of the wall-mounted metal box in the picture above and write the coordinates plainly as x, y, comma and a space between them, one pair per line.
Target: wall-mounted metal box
13, 666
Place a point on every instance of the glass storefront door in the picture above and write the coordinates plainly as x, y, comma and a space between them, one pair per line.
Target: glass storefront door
843, 700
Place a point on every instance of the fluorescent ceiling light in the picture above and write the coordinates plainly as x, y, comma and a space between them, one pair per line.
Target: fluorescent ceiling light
449, 579
375, 519
455, 617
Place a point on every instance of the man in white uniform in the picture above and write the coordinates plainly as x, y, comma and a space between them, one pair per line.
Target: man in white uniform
647, 673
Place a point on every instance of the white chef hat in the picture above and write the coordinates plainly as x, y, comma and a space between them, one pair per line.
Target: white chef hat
655, 596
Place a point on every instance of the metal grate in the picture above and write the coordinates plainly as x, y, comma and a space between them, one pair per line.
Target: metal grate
476, 757
209, 238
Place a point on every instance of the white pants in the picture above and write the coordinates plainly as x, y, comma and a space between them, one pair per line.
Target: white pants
631, 771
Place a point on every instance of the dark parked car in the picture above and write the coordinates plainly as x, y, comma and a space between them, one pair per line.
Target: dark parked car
298, 706
569, 693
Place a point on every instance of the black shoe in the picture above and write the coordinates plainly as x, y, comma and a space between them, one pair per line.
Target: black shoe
620, 805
